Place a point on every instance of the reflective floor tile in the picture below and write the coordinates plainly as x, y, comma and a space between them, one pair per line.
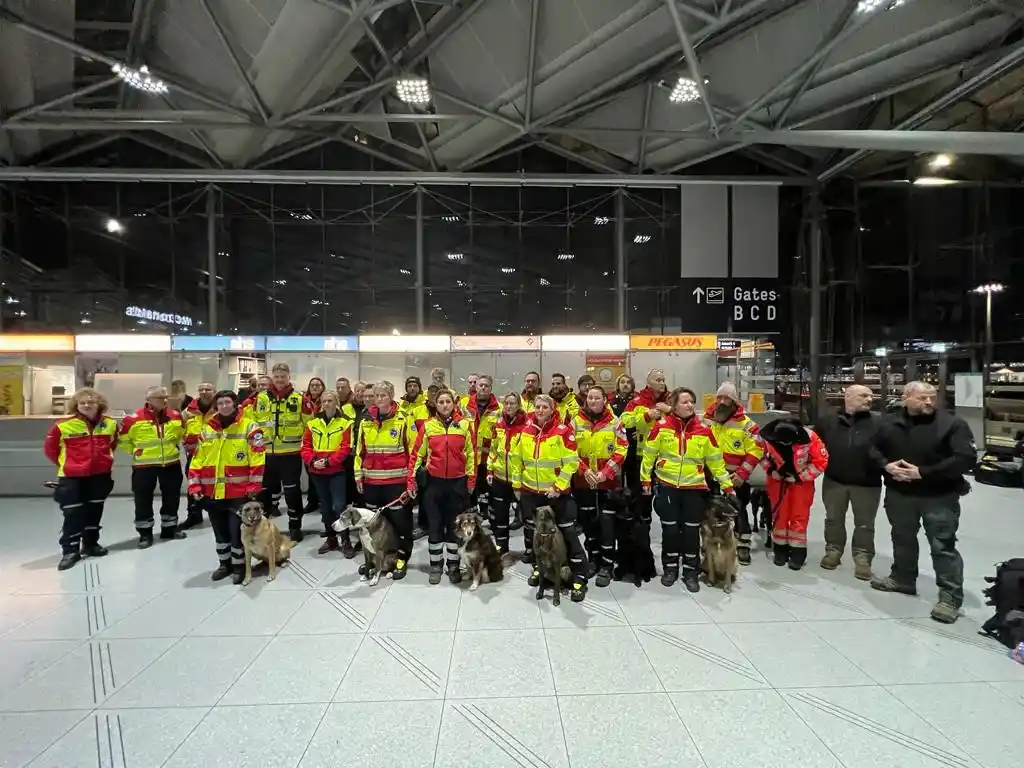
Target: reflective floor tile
81, 617
294, 670
140, 738
336, 611
21, 660
811, 599
499, 607
246, 614
17, 610
746, 604
414, 608
697, 658
868, 727
789, 655
499, 663
347, 735
25, 735
625, 730
397, 665
657, 606
599, 660
515, 732
600, 609
755, 728
982, 657
171, 614
1014, 691
244, 737
196, 672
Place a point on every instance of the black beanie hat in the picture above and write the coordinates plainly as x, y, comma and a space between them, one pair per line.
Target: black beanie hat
414, 379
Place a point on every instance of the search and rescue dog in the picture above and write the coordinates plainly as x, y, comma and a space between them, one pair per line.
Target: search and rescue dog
719, 542
263, 540
550, 552
376, 534
478, 550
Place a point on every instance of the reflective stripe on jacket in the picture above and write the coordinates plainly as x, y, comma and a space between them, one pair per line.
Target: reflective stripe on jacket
153, 439
483, 425
567, 408
228, 463
283, 417
601, 444
329, 439
635, 416
81, 448
545, 457
739, 440
195, 420
506, 433
382, 456
676, 452
445, 449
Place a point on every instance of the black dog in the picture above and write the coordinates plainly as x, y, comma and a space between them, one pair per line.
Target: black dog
761, 511
633, 555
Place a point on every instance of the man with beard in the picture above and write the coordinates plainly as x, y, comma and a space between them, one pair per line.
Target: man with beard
565, 400
197, 415
583, 385
737, 436
482, 411
531, 388
471, 382
925, 454
346, 399
646, 407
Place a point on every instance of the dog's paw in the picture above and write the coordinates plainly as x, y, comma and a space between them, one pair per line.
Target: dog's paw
271, 577
246, 582
364, 578
474, 586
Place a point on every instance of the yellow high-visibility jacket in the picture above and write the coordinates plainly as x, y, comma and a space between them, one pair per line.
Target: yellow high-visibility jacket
545, 457
500, 461
229, 462
635, 416
739, 439
483, 420
567, 408
195, 420
676, 453
382, 453
153, 439
283, 417
601, 444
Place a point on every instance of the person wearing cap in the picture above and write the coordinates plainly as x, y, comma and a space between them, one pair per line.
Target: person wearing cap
646, 407
794, 457
737, 436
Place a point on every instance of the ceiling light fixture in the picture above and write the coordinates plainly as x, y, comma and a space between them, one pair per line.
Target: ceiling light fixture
405, 271
114, 227
544, 282
600, 221
455, 257
451, 218
641, 239
566, 256
870, 6
140, 79
413, 90
685, 91
933, 181
940, 161
507, 270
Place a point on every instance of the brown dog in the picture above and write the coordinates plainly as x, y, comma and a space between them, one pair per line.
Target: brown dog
262, 539
719, 540
478, 550
549, 549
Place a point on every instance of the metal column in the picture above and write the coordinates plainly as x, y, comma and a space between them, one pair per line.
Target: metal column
419, 260
814, 231
211, 258
620, 259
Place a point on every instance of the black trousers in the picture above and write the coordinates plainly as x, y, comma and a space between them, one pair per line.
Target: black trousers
81, 500
312, 491
501, 498
400, 516
352, 494
743, 527
565, 517
422, 522
444, 498
192, 507
681, 513
331, 490
482, 492
940, 516
598, 524
144, 484
284, 470
227, 530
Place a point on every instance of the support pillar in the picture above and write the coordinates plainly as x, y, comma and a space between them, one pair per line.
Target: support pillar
420, 315
211, 258
817, 213
620, 260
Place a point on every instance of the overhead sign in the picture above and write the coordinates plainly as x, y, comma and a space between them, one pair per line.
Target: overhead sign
495, 343
31, 342
736, 306
167, 318
218, 343
681, 343
312, 343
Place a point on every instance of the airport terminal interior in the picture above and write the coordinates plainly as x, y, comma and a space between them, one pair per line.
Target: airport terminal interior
749, 221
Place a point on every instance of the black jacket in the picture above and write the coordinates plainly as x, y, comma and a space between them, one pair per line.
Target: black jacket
941, 446
849, 438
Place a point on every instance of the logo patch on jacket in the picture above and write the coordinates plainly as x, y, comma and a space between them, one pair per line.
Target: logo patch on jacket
240, 456
611, 447
256, 438
737, 443
393, 432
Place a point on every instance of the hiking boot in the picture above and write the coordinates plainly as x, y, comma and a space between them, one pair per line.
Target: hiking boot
604, 576
578, 591
364, 570
237, 575
455, 575
528, 558
296, 535
347, 550
831, 560
691, 582
399, 573
330, 544
68, 560
862, 567
435, 573
781, 556
591, 569
95, 550
222, 572
669, 577
889, 584
418, 533
145, 542
945, 613
743, 554
173, 535
191, 521
534, 580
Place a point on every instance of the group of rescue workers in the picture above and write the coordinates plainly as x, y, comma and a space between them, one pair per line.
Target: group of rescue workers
446, 451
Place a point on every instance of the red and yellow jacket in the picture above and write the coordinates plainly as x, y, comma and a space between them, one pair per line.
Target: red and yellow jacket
195, 420
153, 439
635, 416
80, 447
676, 453
526, 402
445, 448
810, 458
567, 407
506, 433
739, 440
329, 439
601, 444
545, 457
382, 455
483, 425
229, 460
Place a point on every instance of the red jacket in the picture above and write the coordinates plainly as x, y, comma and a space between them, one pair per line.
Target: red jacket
810, 457
329, 439
81, 448
474, 414
446, 449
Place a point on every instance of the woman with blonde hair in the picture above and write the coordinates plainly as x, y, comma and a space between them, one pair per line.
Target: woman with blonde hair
82, 447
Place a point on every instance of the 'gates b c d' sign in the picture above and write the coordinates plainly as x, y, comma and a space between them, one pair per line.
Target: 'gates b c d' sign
693, 342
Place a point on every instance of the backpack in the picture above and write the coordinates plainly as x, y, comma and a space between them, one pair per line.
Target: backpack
1007, 596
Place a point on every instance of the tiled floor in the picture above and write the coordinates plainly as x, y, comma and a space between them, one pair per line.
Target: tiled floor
138, 660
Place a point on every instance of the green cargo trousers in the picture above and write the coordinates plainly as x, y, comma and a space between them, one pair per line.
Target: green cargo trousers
941, 518
838, 498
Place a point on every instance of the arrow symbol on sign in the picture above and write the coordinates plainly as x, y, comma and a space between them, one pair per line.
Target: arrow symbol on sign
698, 293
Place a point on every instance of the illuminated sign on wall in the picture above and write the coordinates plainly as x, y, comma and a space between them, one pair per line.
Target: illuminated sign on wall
168, 318
218, 343
495, 343
312, 343
682, 342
